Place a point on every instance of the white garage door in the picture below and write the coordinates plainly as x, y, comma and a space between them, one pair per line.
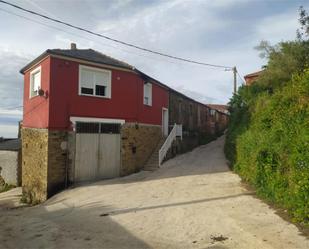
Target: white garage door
97, 151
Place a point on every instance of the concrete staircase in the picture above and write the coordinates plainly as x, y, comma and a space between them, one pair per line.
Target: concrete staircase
153, 162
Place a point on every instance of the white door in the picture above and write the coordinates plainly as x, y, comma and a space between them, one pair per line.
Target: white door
165, 121
97, 153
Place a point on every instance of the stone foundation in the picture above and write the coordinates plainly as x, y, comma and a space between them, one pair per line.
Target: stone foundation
138, 143
43, 162
34, 164
49, 156
57, 161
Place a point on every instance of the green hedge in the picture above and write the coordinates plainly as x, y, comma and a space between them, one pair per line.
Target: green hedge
268, 144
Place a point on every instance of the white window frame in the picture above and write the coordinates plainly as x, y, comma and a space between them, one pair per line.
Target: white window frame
95, 69
32, 93
149, 86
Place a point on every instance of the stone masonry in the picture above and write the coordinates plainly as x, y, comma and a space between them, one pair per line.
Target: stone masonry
138, 143
44, 163
34, 164
57, 161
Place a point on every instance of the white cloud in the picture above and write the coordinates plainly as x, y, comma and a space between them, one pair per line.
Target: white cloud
277, 28
8, 131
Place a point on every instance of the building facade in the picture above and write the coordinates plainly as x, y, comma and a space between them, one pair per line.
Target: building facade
88, 116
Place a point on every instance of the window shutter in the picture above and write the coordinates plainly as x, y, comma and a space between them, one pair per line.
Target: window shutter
87, 78
101, 78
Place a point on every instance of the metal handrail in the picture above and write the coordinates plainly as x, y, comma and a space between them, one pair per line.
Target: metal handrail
167, 144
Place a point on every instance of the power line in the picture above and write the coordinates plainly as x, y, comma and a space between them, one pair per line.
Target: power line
83, 37
113, 39
243, 81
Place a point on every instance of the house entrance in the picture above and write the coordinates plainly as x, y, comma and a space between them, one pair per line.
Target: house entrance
97, 154
165, 122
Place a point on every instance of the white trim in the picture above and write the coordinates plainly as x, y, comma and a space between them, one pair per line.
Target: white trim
95, 69
97, 120
34, 71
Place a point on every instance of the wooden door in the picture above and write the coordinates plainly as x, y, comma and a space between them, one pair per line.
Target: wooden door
98, 150
109, 156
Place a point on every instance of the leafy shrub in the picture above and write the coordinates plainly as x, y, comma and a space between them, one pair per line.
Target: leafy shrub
272, 151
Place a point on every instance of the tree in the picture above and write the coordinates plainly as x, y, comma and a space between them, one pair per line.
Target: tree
303, 31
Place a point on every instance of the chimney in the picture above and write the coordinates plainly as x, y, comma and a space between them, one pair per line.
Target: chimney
73, 46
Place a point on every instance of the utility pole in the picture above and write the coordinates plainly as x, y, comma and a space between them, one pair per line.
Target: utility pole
235, 79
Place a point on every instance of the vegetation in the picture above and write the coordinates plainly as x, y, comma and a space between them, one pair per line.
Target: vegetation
6, 187
268, 137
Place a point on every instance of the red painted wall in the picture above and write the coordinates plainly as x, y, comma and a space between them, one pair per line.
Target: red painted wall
35, 111
126, 98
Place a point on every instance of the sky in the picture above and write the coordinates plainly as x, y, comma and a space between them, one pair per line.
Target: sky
222, 32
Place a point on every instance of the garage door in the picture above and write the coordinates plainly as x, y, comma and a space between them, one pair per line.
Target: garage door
97, 151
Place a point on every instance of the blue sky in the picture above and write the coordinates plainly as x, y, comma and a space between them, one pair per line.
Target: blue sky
214, 31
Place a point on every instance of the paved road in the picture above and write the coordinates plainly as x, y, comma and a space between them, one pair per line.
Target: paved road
193, 201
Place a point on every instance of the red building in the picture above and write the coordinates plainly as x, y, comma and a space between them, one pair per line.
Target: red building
86, 83
88, 116
250, 78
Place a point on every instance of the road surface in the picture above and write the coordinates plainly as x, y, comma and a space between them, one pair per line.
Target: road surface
193, 201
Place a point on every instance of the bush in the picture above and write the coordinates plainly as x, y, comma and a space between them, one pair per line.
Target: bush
272, 148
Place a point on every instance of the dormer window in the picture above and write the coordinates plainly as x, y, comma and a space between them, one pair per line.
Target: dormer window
35, 82
148, 94
94, 82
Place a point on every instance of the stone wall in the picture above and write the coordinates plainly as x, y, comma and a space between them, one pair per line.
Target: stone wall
71, 157
48, 157
34, 164
44, 163
57, 161
9, 168
138, 143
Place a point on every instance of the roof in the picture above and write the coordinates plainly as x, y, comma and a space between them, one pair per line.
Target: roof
82, 54
220, 108
10, 144
255, 74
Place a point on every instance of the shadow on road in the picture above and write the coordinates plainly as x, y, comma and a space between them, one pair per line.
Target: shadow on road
57, 226
130, 210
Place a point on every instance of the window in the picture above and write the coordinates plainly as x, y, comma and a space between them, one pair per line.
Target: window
96, 128
212, 112
94, 82
35, 82
148, 94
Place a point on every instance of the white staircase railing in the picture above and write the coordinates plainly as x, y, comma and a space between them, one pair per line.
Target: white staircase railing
176, 131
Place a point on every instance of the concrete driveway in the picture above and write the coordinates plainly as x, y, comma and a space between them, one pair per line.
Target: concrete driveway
193, 201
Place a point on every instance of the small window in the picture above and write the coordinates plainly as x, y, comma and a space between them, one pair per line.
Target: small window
100, 90
35, 82
82, 127
212, 112
97, 128
94, 82
85, 90
148, 94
